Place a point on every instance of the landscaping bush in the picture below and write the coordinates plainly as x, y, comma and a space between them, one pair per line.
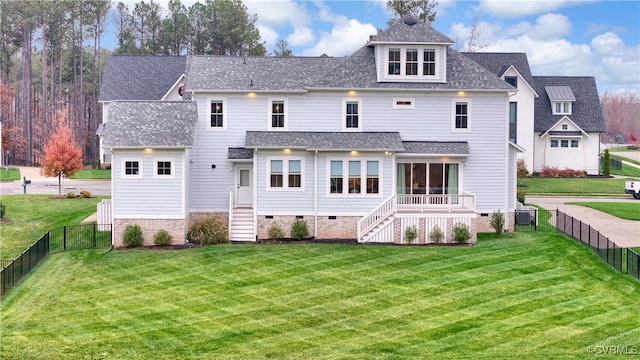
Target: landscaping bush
461, 233
548, 171
3, 209
606, 163
132, 236
85, 194
299, 229
521, 196
436, 235
71, 195
497, 222
162, 238
275, 231
522, 169
410, 233
208, 231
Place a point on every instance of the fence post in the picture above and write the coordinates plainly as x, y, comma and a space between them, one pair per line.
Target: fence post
64, 238
95, 240
535, 219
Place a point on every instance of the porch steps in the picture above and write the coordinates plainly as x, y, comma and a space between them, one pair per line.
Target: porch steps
382, 233
241, 227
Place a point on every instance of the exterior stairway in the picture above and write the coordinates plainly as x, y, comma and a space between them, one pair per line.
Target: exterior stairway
242, 226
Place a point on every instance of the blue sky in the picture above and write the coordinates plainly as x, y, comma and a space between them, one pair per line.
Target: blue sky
571, 37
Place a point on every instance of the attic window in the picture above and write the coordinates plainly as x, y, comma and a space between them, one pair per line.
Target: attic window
512, 80
403, 103
565, 126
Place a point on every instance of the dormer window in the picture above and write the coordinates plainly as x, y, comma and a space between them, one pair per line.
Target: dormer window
429, 62
562, 108
394, 62
412, 62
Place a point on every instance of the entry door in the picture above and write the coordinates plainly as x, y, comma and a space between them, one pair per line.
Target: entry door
244, 195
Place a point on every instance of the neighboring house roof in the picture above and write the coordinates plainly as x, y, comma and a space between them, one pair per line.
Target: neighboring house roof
410, 29
585, 110
324, 141
499, 63
150, 124
140, 77
436, 147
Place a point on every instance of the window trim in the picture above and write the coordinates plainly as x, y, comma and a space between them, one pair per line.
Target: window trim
398, 103
420, 76
225, 119
123, 173
454, 115
171, 161
285, 173
565, 107
364, 161
285, 113
344, 114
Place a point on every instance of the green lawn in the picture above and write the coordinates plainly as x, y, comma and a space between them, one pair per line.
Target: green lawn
530, 296
9, 174
573, 186
629, 211
33, 215
92, 174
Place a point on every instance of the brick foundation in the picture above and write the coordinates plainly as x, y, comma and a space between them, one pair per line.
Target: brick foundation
175, 227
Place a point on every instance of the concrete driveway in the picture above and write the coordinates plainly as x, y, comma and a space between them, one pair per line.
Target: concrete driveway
625, 233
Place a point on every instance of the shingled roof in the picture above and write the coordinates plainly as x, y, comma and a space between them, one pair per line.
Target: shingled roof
585, 110
324, 141
499, 63
140, 77
150, 124
410, 29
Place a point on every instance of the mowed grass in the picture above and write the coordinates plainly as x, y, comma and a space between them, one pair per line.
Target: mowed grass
628, 211
572, 186
33, 215
531, 296
8, 174
92, 174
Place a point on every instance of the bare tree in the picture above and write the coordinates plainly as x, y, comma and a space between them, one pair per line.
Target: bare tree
474, 35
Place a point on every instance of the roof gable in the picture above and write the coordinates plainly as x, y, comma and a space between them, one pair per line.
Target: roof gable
150, 124
410, 29
499, 63
140, 77
586, 112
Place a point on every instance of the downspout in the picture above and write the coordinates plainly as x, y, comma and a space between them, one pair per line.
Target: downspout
507, 166
315, 193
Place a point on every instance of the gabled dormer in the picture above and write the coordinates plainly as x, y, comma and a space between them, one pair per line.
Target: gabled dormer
410, 50
561, 98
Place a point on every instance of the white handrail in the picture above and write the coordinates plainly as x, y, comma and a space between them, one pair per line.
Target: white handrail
377, 215
230, 207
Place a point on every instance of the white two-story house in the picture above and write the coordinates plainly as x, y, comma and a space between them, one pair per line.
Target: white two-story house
404, 132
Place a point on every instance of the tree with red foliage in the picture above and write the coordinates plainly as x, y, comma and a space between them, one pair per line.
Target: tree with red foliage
62, 155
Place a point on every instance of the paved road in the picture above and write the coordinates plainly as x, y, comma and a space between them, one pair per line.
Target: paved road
625, 233
42, 185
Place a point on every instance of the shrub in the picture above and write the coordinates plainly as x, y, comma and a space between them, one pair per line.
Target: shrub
71, 195
410, 233
521, 196
522, 169
436, 235
497, 222
132, 236
3, 209
606, 163
299, 229
461, 233
162, 238
208, 231
275, 231
85, 194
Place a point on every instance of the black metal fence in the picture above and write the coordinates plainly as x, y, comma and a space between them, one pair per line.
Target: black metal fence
633, 263
85, 236
532, 219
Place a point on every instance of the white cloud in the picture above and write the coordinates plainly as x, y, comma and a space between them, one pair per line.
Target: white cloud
278, 13
269, 36
344, 39
301, 37
619, 64
502, 8
607, 43
547, 26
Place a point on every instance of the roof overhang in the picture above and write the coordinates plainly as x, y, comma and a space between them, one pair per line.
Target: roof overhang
564, 118
517, 147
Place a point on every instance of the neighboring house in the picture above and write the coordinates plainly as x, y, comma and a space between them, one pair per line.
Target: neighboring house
138, 77
404, 132
557, 120
568, 123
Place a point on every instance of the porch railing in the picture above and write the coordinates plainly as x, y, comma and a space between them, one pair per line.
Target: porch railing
429, 203
377, 215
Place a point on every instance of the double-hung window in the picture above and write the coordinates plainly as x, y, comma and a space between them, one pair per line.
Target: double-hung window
285, 174
354, 177
352, 114
574, 143
216, 113
277, 111
461, 115
163, 169
394, 62
554, 143
562, 108
132, 168
412, 62
429, 62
